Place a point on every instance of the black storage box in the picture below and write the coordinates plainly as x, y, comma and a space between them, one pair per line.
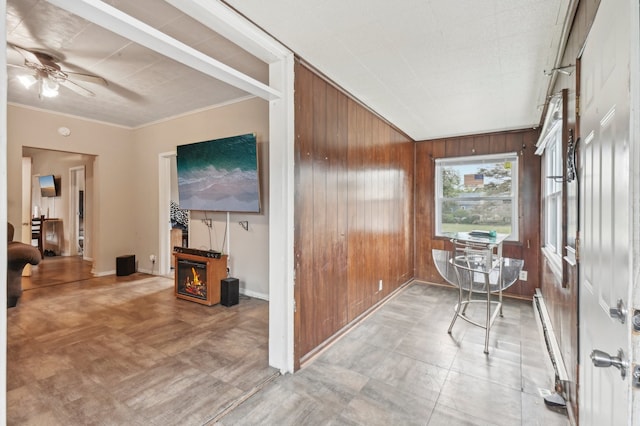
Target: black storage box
125, 265
229, 291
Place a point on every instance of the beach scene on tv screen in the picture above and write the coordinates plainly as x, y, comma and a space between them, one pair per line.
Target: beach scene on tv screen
47, 186
219, 175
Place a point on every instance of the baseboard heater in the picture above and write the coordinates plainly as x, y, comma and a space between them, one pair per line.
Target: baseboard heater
553, 350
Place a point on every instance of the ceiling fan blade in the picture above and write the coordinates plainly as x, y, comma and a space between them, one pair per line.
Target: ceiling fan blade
27, 54
77, 88
21, 67
89, 78
46, 67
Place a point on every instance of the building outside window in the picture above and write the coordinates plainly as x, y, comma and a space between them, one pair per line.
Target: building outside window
477, 193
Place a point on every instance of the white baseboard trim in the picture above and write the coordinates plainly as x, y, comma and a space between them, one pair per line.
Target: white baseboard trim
254, 294
549, 340
103, 273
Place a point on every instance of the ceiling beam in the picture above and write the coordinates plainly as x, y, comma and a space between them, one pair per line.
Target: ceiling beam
114, 20
222, 19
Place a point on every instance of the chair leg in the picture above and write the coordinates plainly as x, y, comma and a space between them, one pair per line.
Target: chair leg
466, 305
457, 313
488, 325
500, 284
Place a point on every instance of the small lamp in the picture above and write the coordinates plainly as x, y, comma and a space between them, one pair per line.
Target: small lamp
27, 80
49, 88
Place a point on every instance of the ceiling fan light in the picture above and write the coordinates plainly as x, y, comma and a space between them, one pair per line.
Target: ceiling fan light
49, 88
27, 80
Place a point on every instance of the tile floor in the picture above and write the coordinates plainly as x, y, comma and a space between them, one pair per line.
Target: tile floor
400, 367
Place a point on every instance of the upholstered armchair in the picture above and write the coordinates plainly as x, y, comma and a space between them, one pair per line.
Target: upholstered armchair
18, 255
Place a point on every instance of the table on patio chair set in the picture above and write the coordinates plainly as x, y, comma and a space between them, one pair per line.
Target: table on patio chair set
476, 266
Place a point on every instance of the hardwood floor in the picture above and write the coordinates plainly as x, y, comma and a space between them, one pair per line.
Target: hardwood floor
124, 351
57, 270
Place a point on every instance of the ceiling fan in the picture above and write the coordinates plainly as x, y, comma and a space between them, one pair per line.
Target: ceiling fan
42, 69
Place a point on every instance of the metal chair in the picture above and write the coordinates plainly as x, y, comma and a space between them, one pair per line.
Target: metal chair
478, 271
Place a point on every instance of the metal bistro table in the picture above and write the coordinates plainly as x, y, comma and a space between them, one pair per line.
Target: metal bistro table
494, 243
476, 266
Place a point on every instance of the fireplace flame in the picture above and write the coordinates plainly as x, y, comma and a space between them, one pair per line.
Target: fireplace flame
193, 285
196, 277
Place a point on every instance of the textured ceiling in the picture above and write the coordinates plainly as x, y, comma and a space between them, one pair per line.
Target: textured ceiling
143, 86
433, 68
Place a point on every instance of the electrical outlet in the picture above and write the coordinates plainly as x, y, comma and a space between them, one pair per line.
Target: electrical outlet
523, 275
152, 258
380, 285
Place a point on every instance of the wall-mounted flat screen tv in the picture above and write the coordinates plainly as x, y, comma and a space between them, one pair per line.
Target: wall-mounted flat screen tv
219, 175
48, 187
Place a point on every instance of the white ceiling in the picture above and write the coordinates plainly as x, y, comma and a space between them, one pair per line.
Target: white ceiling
433, 68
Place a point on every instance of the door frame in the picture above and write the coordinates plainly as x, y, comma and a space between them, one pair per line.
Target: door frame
164, 200
25, 229
74, 229
634, 164
3, 218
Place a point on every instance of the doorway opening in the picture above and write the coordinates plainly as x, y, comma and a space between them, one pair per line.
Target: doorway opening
168, 192
71, 207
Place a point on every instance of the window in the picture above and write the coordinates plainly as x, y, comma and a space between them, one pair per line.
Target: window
552, 189
479, 192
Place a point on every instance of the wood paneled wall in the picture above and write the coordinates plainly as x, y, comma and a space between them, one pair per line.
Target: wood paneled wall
353, 210
528, 247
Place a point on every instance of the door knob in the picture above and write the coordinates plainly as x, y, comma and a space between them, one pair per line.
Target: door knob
603, 359
619, 312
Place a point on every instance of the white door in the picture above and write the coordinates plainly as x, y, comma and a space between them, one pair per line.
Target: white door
605, 254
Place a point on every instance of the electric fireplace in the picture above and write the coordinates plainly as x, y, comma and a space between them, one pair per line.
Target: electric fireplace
197, 278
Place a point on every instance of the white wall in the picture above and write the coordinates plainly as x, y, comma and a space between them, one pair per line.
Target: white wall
113, 173
125, 182
249, 249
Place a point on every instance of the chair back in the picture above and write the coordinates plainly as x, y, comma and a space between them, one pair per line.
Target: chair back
37, 237
474, 269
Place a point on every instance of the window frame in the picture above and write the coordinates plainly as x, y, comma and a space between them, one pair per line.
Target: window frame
440, 163
552, 194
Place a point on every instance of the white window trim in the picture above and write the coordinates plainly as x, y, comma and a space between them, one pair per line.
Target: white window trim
452, 161
552, 146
